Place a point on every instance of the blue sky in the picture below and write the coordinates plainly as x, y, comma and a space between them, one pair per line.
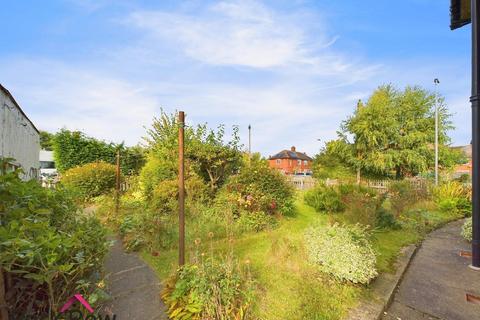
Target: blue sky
292, 69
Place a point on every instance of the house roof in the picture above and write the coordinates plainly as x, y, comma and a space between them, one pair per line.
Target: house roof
288, 154
467, 150
9, 95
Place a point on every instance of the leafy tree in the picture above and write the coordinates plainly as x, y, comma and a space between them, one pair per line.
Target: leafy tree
46, 140
214, 159
74, 148
206, 152
394, 133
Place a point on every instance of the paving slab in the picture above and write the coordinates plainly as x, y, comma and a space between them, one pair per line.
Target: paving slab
437, 280
134, 287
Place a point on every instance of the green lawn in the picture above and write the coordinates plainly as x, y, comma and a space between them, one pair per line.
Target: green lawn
288, 286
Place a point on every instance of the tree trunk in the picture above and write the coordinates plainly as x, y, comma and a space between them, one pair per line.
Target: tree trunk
358, 176
398, 174
3, 302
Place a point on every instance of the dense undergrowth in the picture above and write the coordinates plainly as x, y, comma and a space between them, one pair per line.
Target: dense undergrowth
49, 250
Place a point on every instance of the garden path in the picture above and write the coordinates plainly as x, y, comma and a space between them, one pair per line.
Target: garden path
134, 287
437, 281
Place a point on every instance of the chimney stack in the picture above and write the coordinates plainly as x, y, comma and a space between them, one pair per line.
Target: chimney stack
293, 149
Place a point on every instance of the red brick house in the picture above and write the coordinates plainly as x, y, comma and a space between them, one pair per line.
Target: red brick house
291, 162
466, 168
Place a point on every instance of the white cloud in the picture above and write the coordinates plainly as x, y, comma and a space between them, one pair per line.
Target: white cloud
57, 95
250, 34
240, 62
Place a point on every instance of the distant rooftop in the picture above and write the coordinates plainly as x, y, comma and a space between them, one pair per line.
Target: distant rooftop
291, 154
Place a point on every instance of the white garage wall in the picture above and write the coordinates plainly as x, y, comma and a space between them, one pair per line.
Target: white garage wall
18, 138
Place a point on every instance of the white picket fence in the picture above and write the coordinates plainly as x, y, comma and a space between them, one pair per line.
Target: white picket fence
302, 182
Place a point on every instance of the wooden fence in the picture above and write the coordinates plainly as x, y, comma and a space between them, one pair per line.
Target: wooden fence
307, 182
302, 182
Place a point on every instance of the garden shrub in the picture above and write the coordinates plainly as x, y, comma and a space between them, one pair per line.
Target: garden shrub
386, 220
48, 250
90, 180
402, 195
324, 198
256, 189
255, 221
467, 230
362, 206
453, 196
343, 251
209, 290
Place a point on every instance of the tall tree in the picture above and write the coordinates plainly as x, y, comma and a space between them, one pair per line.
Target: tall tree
46, 140
394, 133
207, 153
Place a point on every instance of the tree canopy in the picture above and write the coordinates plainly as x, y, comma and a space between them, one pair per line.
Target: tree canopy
393, 133
74, 148
207, 153
46, 140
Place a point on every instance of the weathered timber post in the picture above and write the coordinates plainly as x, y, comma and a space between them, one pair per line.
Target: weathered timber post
181, 188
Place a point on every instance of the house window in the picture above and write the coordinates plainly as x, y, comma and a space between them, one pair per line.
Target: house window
299, 162
279, 161
305, 162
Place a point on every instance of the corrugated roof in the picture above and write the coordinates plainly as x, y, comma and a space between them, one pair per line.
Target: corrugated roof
288, 154
17, 105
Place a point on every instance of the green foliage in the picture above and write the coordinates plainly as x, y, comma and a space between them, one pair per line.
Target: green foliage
206, 153
255, 221
467, 230
343, 252
364, 206
257, 188
402, 195
49, 251
90, 180
209, 290
393, 133
324, 198
453, 196
74, 148
327, 165
46, 140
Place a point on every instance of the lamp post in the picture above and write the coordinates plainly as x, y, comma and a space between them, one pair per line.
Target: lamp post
249, 141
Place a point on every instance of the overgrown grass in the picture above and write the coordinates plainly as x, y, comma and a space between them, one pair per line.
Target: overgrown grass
288, 287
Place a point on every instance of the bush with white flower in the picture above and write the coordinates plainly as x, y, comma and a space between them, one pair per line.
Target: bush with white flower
343, 251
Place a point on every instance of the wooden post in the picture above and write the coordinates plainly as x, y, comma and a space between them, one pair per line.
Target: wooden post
181, 188
3, 303
117, 184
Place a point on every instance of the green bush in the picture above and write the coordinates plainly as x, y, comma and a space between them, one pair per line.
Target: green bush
209, 290
90, 180
255, 189
48, 250
402, 195
324, 198
467, 230
342, 251
362, 206
453, 196
255, 221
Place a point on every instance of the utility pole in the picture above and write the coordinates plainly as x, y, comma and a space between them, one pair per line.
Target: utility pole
117, 183
436, 82
475, 12
249, 141
181, 188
